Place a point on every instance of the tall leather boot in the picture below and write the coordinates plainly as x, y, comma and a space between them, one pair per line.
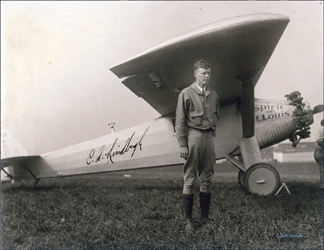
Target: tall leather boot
204, 199
187, 207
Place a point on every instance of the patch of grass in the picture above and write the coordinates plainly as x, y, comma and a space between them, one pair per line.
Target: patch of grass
146, 213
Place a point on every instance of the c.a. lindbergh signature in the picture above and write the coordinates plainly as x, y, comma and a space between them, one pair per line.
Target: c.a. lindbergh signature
284, 235
101, 155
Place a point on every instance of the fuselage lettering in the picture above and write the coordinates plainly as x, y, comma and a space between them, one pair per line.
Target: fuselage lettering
264, 112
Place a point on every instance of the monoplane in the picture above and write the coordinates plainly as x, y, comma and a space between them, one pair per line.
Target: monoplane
238, 49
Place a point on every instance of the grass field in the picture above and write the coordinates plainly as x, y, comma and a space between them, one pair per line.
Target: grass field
143, 211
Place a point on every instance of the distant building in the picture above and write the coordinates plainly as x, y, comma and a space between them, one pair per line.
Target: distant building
304, 152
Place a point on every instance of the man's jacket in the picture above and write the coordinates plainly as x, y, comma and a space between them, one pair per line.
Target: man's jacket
196, 111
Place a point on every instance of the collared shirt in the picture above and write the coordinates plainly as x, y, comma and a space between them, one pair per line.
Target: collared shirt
201, 89
194, 110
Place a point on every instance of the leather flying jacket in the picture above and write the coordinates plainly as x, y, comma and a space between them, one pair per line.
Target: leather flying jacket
194, 110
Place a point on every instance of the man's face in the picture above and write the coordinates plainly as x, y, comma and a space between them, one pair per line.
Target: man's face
202, 77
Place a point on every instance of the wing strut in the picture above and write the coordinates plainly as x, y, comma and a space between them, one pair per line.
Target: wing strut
31, 173
249, 145
25, 166
10, 176
247, 108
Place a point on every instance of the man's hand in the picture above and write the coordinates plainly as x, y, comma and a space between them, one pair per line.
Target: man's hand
184, 151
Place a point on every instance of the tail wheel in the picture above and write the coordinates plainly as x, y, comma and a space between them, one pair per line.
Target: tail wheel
241, 177
262, 179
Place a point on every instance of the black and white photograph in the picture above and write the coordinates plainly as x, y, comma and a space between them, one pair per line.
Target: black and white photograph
162, 125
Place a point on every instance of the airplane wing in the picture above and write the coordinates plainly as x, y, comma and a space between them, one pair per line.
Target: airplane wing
235, 47
20, 160
27, 167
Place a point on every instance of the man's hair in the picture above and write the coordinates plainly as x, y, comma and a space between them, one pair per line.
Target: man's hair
201, 64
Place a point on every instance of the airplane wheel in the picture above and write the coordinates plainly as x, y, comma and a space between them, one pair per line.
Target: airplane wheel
262, 179
241, 176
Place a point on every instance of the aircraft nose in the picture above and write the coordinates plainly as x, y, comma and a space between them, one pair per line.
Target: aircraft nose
303, 116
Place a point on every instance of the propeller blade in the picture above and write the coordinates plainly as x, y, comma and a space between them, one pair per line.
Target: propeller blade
318, 109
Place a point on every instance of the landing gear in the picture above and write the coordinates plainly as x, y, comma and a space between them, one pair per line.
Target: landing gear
261, 179
240, 177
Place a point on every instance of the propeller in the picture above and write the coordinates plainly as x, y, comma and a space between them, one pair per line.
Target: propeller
302, 117
318, 109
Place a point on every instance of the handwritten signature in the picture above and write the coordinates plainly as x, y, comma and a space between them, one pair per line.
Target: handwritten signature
284, 235
102, 155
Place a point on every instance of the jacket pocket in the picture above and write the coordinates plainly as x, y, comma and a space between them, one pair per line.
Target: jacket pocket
196, 117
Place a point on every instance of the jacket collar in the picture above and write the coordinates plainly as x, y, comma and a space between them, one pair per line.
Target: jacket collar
207, 89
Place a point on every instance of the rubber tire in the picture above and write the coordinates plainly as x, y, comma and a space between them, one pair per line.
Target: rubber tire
267, 176
241, 178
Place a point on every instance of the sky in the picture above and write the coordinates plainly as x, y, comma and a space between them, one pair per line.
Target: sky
56, 86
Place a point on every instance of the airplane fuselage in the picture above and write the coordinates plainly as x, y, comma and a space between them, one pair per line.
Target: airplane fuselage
154, 144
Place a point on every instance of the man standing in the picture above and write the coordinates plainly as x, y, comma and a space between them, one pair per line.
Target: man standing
196, 120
